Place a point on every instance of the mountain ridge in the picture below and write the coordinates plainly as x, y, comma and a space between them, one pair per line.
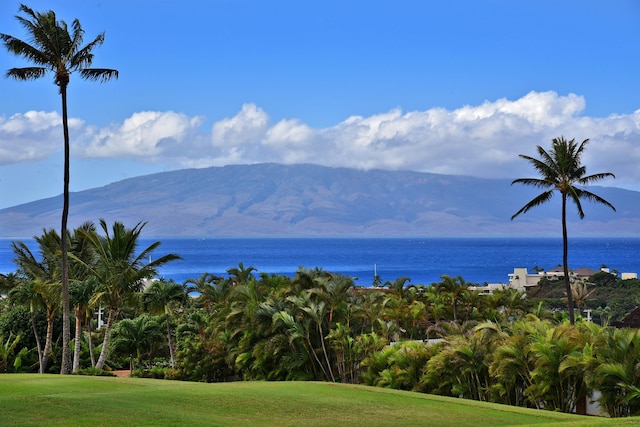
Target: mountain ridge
306, 200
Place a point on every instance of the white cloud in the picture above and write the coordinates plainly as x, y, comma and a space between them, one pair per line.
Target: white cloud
246, 127
148, 135
34, 135
482, 140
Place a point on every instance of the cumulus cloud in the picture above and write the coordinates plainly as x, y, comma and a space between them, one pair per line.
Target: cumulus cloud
246, 127
478, 140
150, 135
34, 135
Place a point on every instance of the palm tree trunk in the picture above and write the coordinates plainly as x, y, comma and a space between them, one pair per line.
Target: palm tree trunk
93, 357
47, 343
326, 356
565, 259
37, 337
171, 352
315, 356
107, 330
78, 341
65, 367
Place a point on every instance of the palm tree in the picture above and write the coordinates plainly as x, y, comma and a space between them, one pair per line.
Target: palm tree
24, 294
50, 292
211, 289
397, 286
455, 288
136, 336
43, 288
8, 281
561, 170
81, 293
335, 291
54, 49
159, 298
119, 270
82, 287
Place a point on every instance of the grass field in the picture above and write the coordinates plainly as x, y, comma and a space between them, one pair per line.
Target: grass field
54, 400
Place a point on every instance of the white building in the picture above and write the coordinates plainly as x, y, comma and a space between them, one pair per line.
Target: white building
521, 279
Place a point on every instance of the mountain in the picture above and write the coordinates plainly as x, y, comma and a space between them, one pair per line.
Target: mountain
310, 200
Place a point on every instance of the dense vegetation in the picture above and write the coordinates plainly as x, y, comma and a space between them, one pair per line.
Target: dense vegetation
445, 339
608, 297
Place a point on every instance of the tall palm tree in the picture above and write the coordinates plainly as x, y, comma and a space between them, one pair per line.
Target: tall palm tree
561, 170
53, 48
119, 270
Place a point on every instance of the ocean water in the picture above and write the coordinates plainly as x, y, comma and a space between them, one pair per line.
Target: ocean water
423, 260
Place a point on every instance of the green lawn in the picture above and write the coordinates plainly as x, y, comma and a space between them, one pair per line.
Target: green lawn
51, 400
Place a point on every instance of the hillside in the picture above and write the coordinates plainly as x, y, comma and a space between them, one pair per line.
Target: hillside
308, 200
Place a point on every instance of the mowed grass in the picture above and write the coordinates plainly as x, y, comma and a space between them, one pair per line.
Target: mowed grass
54, 400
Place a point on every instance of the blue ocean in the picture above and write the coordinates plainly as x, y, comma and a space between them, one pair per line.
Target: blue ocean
423, 260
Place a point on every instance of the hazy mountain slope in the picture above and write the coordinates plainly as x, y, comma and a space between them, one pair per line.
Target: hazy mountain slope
310, 200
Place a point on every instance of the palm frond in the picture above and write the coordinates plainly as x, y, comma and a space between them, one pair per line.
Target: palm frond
84, 57
534, 182
573, 194
25, 50
76, 40
101, 75
595, 177
582, 193
29, 73
537, 201
546, 167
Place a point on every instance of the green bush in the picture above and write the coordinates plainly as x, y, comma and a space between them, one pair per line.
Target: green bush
156, 372
94, 372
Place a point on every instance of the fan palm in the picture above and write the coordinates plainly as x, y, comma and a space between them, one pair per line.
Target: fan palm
54, 49
561, 170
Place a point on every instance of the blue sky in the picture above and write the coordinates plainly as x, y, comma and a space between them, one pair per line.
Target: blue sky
454, 87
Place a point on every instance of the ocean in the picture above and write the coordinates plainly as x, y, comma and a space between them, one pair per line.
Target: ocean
423, 260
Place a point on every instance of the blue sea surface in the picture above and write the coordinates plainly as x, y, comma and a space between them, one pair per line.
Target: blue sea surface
423, 260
